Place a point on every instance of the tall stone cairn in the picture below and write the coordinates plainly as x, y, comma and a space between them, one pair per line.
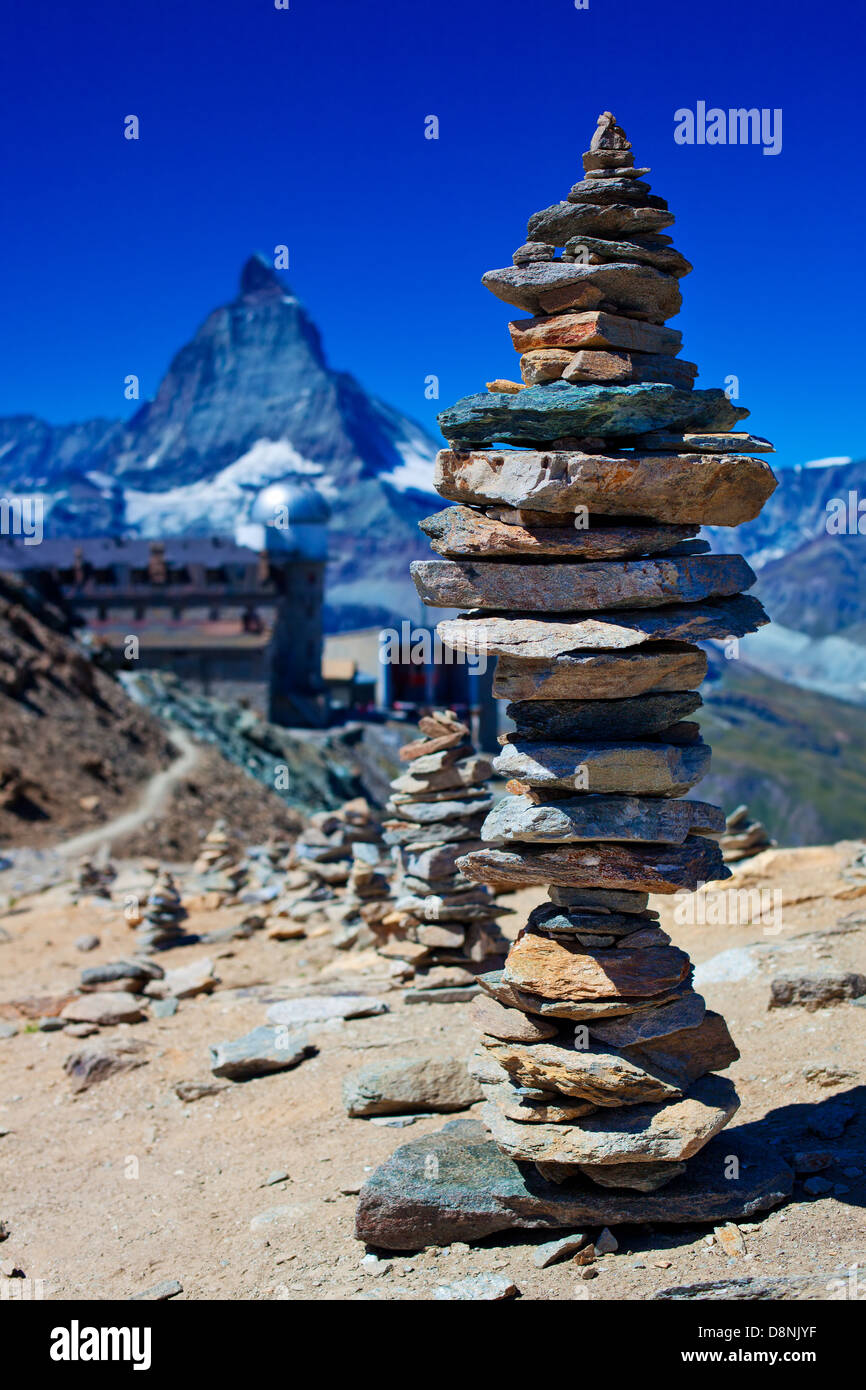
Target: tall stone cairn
442, 923
575, 558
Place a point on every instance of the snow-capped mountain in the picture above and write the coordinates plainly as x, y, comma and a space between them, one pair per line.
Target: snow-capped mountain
249, 399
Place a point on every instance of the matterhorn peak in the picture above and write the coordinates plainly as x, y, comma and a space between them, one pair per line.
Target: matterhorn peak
259, 277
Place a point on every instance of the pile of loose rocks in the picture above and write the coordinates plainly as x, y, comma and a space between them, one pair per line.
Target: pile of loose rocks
441, 923
575, 558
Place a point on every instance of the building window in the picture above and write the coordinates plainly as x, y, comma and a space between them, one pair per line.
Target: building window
214, 615
139, 613
215, 575
101, 613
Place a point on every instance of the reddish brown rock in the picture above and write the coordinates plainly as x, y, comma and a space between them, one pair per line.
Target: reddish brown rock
558, 970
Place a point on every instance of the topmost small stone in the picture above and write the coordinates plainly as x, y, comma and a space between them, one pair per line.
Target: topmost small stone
608, 148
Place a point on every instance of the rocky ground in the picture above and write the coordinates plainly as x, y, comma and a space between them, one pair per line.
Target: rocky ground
249, 1191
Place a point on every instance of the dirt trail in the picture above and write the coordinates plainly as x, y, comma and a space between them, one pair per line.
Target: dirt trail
152, 803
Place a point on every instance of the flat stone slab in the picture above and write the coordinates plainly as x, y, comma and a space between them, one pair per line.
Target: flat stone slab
405, 1085
259, 1053
456, 1184
702, 489
655, 869
602, 677
558, 224
582, 587
462, 532
557, 969
594, 329
317, 1008
539, 639
590, 366
575, 1010
600, 818
666, 1132
635, 1029
546, 287
561, 720
649, 769
664, 258
727, 443
429, 813
557, 409
604, 1078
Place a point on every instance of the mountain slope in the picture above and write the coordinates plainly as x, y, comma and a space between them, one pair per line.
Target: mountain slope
797, 757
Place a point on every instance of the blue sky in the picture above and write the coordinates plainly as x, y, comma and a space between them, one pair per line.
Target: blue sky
305, 127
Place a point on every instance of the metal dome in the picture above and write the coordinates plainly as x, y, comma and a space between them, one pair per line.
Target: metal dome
289, 502
289, 518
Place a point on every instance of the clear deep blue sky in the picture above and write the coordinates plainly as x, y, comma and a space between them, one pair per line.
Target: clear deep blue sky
306, 127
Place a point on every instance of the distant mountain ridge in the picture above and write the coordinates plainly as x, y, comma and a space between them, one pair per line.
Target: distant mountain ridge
247, 400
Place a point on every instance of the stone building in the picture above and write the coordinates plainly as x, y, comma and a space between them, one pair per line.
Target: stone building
238, 617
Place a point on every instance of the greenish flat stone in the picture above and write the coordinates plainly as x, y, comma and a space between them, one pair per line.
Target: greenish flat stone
541, 414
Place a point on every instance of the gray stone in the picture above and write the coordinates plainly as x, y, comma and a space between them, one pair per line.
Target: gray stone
457, 994
724, 443
553, 587
158, 1293
646, 769
601, 676
405, 1084
559, 223
552, 1251
317, 1008
599, 898
600, 818
104, 1009
775, 1288
458, 1185
461, 532
666, 869
602, 250
94, 1064
704, 489
8, 1030
88, 942
511, 1025
484, 1288
563, 720
639, 1177
602, 1077
815, 991
636, 1029
540, 639
113, 971
259, 1053
164, 1008
430, 812
548, 287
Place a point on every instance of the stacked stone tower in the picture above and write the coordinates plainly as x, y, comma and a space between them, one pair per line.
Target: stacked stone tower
574, 554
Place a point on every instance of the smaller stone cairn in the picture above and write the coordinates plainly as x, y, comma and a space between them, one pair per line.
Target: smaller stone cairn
743, 837
334, 852
441, 923
164, 912
94, 879
221, 864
